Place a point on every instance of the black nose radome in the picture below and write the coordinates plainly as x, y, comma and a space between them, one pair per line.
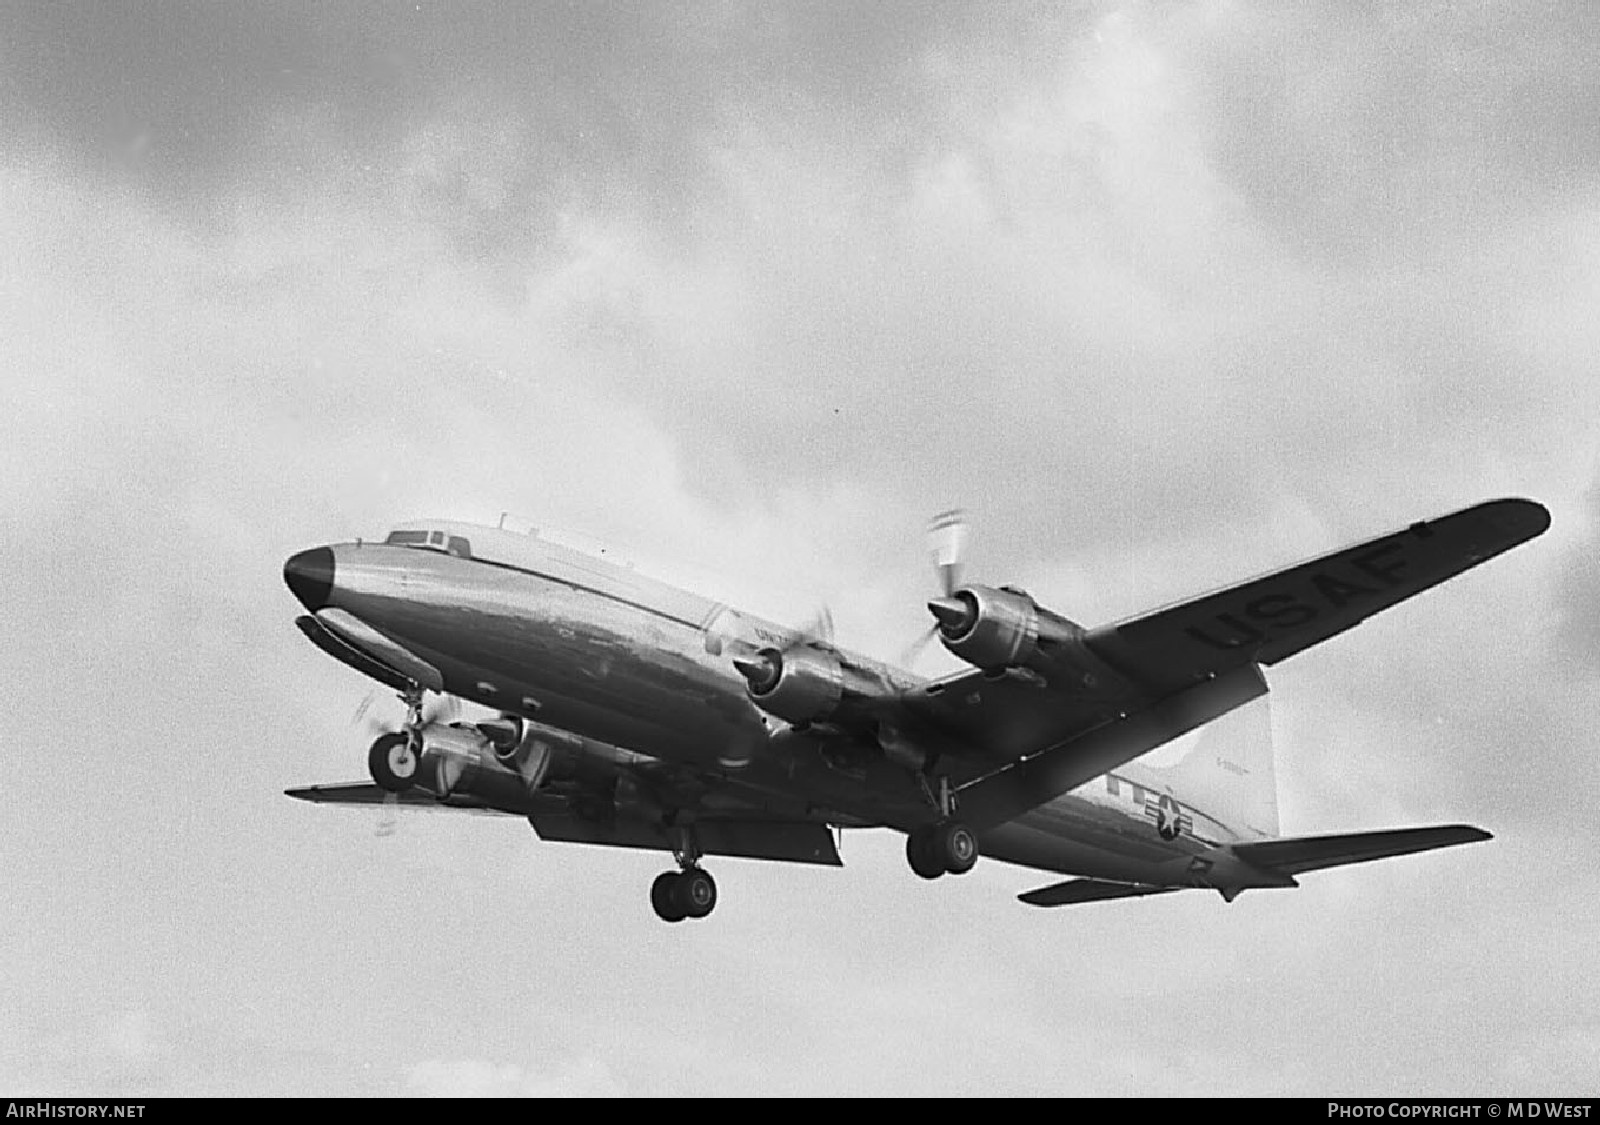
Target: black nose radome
310, 576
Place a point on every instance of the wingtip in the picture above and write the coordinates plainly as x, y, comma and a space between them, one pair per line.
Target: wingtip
1521, 517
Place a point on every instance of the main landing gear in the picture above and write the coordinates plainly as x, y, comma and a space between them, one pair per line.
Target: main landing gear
947, 847
687, 893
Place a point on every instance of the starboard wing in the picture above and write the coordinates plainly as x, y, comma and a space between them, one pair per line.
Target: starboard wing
1036, 740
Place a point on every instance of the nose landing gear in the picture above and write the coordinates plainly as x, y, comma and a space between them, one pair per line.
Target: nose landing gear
396, 755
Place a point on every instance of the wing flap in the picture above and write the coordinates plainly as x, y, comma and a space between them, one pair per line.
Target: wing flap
1075, 891
1295, 854
784, 841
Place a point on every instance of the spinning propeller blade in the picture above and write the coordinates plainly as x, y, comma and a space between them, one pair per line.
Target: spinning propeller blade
947, 544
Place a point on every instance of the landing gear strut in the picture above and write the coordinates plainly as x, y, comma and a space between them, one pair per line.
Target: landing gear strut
687, 893
947, 847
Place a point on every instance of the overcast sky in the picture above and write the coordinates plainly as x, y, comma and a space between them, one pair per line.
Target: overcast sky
1163, 294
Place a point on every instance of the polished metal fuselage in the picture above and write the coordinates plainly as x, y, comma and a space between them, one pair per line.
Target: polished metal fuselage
597, 649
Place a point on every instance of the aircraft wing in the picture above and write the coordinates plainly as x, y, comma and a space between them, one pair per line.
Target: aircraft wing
1270, 618
1026, 741
748, 833
1292, 855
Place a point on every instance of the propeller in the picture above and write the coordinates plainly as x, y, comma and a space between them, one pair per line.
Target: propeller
947, 544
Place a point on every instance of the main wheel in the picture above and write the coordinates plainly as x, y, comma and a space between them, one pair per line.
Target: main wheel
956, 846
393, 763
696, 893
921, 855
664, 897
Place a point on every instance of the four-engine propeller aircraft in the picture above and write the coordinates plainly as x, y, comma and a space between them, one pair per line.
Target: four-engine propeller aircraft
635, 714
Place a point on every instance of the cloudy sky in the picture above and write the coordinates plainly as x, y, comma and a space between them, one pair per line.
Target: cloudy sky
1163, 294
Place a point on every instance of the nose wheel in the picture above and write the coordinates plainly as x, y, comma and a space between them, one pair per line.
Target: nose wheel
393, 761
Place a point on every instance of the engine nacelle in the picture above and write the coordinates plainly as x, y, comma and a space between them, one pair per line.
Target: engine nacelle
460, 760
989, 628
802, 685
807, 683
1000, 629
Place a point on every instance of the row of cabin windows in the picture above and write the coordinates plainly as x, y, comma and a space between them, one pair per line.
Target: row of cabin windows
433, 541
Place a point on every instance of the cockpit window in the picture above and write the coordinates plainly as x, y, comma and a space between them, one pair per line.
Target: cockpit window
408, 538
460, 547
436, 538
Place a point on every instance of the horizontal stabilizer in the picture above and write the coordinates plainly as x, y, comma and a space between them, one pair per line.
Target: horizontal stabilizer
1074, 891
1293, 854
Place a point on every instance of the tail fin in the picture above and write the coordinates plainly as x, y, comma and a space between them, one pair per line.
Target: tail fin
1229, 773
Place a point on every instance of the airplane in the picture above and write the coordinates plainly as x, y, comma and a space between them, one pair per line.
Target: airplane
631, 713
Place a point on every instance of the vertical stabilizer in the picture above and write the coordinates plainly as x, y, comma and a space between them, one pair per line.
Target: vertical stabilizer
1229, 772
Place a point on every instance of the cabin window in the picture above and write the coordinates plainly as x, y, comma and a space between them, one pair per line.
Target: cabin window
460, 547
408, 538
